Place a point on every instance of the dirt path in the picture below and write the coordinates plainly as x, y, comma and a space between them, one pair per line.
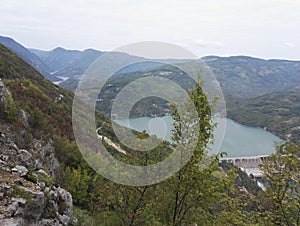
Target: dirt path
110, 143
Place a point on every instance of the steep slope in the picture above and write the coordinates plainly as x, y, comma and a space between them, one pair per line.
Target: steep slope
37, 146
30, 192
30, 89
28, 56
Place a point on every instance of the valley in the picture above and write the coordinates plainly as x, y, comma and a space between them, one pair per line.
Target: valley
149, 113
36, 124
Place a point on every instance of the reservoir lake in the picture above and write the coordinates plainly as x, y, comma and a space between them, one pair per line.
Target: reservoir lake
235, 139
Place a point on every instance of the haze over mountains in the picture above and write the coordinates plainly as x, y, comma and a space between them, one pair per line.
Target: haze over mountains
67, 63
239, 76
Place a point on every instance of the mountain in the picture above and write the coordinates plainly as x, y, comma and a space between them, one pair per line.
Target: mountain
240, 77
245, 77
67, 63
28, 56
73, 63
31, 193
37, 150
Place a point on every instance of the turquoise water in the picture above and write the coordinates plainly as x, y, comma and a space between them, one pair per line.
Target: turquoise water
235, 139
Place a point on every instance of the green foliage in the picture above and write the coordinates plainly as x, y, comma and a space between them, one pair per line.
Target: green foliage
19, 192
282, 198
197, 193
85, 218
42, 106
150, 106
248, 77
37, 177
191, 196
28, 139
38, 120
77, 182
11, 110
14, 68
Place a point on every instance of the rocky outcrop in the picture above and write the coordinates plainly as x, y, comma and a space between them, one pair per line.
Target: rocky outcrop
28, 194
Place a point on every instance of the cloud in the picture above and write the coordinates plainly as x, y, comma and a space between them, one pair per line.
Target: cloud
289, 44
208, 44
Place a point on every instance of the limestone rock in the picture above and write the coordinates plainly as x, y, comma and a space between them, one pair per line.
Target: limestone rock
31, 202
12, 222
22, 170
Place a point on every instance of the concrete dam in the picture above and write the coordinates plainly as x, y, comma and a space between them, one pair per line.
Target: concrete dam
250, 165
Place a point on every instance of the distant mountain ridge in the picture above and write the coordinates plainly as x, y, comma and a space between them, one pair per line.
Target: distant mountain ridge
67, 63
246, 77
240, 77
73, 63
28, 56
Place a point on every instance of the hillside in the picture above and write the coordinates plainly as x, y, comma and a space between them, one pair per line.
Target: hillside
36, 146
240, 77
278, 112
30, 173
27, 56
246, 77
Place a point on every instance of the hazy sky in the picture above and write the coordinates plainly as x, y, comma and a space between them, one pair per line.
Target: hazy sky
261, 28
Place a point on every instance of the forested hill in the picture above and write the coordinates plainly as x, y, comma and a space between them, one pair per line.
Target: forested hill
277, 112
246, 77
30, 90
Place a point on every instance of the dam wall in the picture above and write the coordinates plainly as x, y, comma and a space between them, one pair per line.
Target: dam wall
250, 165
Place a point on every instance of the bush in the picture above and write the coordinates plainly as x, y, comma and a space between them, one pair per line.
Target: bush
11, 110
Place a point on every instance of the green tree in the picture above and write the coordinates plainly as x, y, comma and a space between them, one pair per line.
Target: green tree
282, 198
38, 120
11, 110
77, 183
198, 193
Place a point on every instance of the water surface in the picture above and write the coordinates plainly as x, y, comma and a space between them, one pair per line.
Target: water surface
235, 139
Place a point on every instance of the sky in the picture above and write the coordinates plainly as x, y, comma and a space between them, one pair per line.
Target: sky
266, 29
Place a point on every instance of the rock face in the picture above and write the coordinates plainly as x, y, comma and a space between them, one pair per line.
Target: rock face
28, 195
